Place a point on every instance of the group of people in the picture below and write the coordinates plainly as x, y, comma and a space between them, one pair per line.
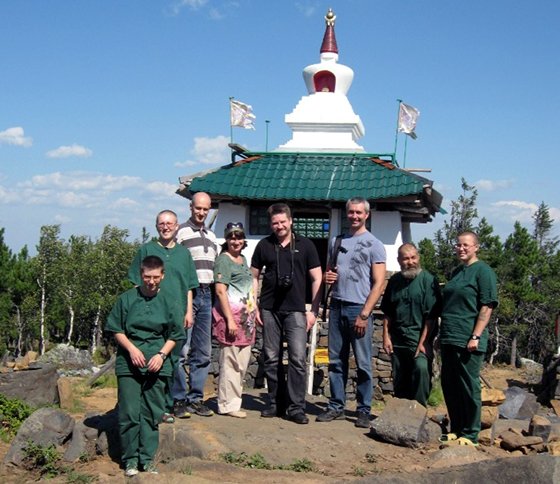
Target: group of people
187, 291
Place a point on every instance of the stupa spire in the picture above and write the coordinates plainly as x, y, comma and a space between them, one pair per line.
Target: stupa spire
329, 39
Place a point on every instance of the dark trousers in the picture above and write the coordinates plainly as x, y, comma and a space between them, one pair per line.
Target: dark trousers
412, 377
460, 382
289, 326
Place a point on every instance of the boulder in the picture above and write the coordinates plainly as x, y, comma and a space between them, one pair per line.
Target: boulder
488, 416
513, 441
492, 397
404, 422
65, 393
519, 404
44, 427
67, 357
35, 386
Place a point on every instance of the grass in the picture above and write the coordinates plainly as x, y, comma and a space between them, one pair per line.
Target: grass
108, 380
359, 471
436, 395
257, 461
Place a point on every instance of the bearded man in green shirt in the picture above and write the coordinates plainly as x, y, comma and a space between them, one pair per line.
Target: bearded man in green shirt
411, 305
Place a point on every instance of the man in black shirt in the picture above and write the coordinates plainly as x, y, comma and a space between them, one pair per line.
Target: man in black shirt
288, 260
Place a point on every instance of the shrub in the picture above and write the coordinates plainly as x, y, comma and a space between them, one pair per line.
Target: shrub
12, 414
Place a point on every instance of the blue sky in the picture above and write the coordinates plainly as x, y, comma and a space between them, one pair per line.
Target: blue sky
104, 104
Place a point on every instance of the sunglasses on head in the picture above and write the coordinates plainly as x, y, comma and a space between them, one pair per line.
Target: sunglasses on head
234, 225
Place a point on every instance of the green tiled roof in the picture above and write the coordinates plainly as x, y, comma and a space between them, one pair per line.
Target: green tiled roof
309, 177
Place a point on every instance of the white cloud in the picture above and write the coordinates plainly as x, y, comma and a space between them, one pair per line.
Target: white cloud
208, 151
124, 203
178, 5
15, 136
78, 180
515, 210
67, 151
159, 188
493, 185
61, 219
306, 9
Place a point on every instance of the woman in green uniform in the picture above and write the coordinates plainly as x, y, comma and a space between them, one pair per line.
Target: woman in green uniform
146, 323
468, 301
234, 319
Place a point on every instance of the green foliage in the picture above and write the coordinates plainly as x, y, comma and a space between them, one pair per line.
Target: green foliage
257, 461
73, 477
108, 380
436, 395
359, 471
44, 459
12, 414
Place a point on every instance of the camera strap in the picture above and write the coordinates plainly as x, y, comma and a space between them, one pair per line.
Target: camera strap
292, 251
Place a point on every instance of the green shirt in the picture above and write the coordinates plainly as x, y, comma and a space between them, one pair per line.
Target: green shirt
180, 272
148, 322
469, 288
408, 302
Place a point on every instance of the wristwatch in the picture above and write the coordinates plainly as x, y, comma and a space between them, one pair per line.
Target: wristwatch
474, 337
364, 316
163, 355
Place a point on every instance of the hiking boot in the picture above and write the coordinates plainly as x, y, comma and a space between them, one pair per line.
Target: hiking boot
180, 409
362, 421
269, 412
331, 414
199, 408
299, 418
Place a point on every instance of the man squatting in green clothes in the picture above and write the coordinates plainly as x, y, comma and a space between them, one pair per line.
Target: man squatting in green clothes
180, 280
146, 324
411, 304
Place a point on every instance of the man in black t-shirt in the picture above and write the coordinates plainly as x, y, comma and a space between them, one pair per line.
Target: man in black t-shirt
288, 260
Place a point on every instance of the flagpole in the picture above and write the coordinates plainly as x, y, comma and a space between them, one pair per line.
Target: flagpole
266, 141
405, 146
230, 125
397, 131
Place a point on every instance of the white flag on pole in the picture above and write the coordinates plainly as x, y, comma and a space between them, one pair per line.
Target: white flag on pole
408, 116
241, 114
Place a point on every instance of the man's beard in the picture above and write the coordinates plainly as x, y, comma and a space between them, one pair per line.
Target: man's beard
411, 273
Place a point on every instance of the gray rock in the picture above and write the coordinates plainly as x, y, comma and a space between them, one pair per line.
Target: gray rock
536, 469
404, 422
35, 386
67, 357
107, 427
519, 404
44, 427
78, 444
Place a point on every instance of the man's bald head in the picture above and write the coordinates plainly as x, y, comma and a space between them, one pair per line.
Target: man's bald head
200, 206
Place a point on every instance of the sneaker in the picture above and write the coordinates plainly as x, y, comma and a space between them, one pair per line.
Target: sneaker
199, 408
180, 409
168, 418
131, 470
330, 414
150, 468
362, 421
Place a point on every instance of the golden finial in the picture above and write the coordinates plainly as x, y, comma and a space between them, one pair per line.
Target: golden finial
330, 17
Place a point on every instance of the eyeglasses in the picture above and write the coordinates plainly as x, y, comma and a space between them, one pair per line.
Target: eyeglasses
463, 246
166, 224
234, 225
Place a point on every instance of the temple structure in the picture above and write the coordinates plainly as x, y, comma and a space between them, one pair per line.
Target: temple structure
318, 169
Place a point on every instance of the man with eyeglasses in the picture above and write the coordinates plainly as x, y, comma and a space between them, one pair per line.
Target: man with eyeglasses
288, 261
180, 275
201, 243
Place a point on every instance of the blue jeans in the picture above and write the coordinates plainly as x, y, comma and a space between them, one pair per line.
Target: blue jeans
341, 336
199, 341
290, 326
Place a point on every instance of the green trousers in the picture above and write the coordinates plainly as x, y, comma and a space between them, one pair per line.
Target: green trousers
460, 382
412, 377
141, 406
